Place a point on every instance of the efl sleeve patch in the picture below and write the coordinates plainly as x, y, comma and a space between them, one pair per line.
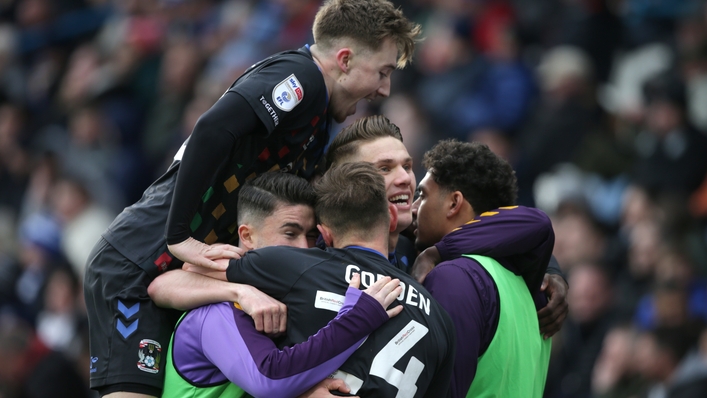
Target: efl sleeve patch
288, 93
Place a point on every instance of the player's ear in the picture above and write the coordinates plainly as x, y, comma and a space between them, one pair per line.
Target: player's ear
326, 234
343, 58
246, 236
456, 202
393, 217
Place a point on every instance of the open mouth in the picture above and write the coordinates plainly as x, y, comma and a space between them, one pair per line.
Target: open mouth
399, 199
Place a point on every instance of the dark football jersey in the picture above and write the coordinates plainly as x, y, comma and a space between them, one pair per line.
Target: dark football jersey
288, 94
412, 355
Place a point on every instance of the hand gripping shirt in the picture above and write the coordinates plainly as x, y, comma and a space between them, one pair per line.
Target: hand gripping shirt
410, 356
288, 94
217, 352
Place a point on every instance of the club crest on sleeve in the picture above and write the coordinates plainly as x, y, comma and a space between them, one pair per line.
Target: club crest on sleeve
288, 93
149, 354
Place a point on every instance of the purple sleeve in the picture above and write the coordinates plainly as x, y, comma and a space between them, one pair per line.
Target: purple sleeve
253, 362
519, 238
468, 293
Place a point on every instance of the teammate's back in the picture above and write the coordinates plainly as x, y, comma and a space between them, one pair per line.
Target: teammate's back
412, 355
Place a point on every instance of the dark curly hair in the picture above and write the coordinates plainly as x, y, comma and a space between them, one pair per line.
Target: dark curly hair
486, 180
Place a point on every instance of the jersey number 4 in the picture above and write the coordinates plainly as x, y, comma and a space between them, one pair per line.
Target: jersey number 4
396, 348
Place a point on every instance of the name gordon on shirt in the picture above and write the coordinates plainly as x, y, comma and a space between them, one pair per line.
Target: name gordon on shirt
410, 295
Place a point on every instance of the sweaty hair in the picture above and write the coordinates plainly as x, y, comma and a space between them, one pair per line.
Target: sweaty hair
259, 197
368, 22
363, 130
351, 199
486, 180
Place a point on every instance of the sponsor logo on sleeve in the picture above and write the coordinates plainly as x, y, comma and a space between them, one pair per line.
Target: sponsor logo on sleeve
288, 93
270, 110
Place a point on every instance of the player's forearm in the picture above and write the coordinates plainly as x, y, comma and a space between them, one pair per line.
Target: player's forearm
507, 233
553, 268
186, 290
268, 371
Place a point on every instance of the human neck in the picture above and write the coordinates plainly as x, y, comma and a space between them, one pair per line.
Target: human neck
376, 243
393, 241
325, 66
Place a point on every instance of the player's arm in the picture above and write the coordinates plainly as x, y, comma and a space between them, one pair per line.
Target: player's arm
209, 149
520, 236
520, 233
470, 300
264, 370
187, 290
555, 287
273, 270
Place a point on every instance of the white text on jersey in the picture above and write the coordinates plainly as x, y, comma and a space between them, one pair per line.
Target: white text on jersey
409, 295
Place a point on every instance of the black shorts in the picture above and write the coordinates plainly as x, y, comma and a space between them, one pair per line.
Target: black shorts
128, 333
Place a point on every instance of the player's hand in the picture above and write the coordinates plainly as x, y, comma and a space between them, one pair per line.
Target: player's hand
199, 253
553, 315
322, 389
210, 272
269, 315
385, 291
428, 259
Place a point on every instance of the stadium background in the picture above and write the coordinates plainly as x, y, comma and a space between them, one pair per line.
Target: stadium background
600, 105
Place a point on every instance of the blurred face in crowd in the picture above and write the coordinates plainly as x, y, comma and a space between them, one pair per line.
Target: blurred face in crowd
662, 117
576, 240
653, 361
590, 296
671, 307
288, 225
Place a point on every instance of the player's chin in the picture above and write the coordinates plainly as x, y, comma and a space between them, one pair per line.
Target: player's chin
404, 220
340, 115
420, 244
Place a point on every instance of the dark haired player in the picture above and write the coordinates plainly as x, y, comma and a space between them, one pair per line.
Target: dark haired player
502, 354
274, 117
410, 355
515, 236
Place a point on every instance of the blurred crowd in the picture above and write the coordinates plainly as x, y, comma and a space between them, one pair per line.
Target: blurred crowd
600, 105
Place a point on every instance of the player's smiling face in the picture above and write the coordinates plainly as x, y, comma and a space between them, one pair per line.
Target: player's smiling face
367, 77
393, 161
289, 225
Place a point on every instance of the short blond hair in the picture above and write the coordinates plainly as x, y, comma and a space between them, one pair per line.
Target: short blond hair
368, 22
